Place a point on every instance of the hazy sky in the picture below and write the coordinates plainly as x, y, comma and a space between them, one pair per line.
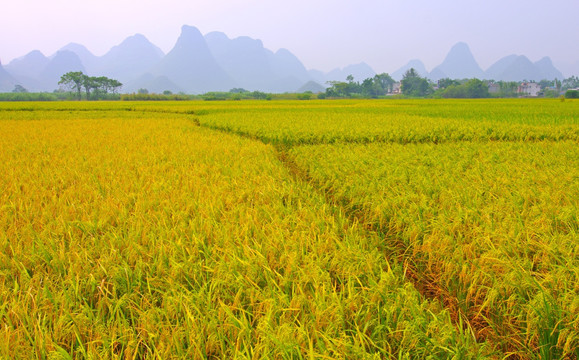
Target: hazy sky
324, 34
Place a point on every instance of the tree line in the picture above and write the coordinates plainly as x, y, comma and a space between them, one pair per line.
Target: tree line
373, 87
414, 85
94, 87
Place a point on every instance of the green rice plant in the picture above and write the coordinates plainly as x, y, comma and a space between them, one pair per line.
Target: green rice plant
484, 227
130, 232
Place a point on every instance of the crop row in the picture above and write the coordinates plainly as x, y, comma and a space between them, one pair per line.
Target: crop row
291, 123
126, 234
489, 229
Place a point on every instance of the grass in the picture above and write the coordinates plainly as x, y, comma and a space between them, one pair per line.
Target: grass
289, 229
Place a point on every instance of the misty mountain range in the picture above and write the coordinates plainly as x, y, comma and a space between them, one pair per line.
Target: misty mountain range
461, 64
214, 62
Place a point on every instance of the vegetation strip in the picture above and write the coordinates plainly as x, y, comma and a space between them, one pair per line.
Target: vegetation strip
430, 284
147, 236
173, 240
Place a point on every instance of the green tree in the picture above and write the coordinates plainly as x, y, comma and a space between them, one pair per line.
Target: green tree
89, 83
570, 83
475, 88
19, 89
115, 85
379, 85
74, 80
446, 82
385, 82
415, 85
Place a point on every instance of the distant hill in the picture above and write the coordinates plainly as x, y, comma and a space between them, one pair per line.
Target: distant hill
496, 70
289, 71
360, 72
191, 66
29, 65
214, 62
7, 82
243, 58
88, 59
312, 86
458, 64
61, 63
129, 60
546, 69
415, 64
519, 68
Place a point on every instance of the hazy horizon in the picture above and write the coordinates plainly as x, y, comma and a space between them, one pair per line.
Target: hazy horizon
324, 35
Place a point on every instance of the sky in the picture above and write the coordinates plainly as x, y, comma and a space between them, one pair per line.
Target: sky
323, 34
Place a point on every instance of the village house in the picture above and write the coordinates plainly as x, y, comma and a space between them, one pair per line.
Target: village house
396, 88
529, 89
494, 88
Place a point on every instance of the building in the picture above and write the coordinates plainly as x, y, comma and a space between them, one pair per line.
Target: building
396, 88
529, 89
494, 88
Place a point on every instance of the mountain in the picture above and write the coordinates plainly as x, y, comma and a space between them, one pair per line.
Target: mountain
214, 62
7, 82
519, 68
458, 64
496, 70
191, 66
311, 86
547, 70
416, 64
288, 70
61, 63
243, 58
29, 65
360, 72
129, 60
317, 76
88, 59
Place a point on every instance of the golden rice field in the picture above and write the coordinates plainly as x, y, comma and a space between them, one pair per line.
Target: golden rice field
350, 229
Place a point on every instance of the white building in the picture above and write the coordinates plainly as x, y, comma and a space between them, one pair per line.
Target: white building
396, 88
529, 89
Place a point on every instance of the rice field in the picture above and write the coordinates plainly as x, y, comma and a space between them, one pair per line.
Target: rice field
351, 229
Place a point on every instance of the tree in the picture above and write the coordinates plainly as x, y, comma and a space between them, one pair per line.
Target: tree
379, 85
571, 83
475, 88
89, 83
143, 91
99, 86
385, 82
115, 85
337, 89
415, 85
74, 81
19, 89
508, 88
446, 82
238, 91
